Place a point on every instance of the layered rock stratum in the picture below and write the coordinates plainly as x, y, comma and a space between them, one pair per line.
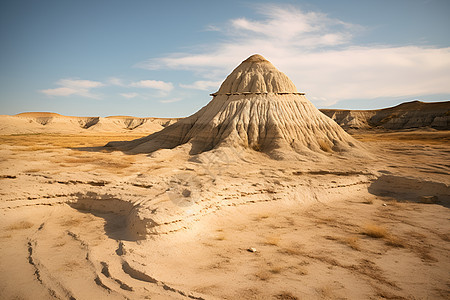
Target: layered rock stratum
256, 107
408, 115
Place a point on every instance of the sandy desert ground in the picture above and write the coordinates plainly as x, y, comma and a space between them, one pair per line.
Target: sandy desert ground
258, 195
343, 231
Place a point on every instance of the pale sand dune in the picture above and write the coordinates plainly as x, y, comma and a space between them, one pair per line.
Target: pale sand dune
175, 221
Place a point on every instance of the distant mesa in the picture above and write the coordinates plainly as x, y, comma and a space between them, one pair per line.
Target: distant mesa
39, 114
256, 107
53, 123
408, 115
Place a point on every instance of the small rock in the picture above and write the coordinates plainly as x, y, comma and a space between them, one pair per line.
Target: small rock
251, 249
186, 193
384, 204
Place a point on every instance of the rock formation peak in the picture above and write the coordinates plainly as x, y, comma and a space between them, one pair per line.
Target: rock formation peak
256, 58
256, 75
257, 107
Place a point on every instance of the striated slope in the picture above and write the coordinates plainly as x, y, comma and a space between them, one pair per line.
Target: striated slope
256, 107
407, 115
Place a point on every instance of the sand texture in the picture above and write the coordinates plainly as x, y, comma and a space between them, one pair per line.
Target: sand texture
256, 196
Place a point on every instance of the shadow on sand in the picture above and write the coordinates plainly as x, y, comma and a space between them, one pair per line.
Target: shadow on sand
114, 211
411, 189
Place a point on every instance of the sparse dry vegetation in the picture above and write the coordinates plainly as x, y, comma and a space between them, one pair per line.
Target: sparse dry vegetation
261, 216
375, 231
394, 241
20, 225
275, 269
324, 146
59, 244
220, 237
33, 170
263, 275
368, 201
285, 296
35, 142
352, 242
293, 249
272, 240
70, 222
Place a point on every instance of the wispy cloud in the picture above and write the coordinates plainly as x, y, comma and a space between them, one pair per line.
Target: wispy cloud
116, 81
77, 87
317, 52
153, 84
170, 100
203, 85
129, 95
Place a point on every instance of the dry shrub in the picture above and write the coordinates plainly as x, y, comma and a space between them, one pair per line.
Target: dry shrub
71, 264
220, 237
79, 160
261, 216
275, 269
59, 244
285, 296
256, 147
325, 292
71, 222
293, 249
272, 240
97, 161
375, 231
20, 225
395, 241
352, 242
263, 275
301, 271
35, 148
324, 146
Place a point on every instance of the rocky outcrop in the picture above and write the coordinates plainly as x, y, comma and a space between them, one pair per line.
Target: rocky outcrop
256, 107
415, 114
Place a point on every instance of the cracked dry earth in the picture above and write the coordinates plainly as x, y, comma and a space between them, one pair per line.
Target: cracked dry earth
79, 224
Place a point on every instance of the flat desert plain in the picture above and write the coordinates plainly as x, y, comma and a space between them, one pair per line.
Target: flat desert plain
376, 227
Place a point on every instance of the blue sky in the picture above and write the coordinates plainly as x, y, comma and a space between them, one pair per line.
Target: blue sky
164, 58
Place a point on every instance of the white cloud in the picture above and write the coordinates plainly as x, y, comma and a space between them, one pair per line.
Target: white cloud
116, 81
317, 53
203, 85
129, 95
74, 87
170, 100
212, 28
153, 84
